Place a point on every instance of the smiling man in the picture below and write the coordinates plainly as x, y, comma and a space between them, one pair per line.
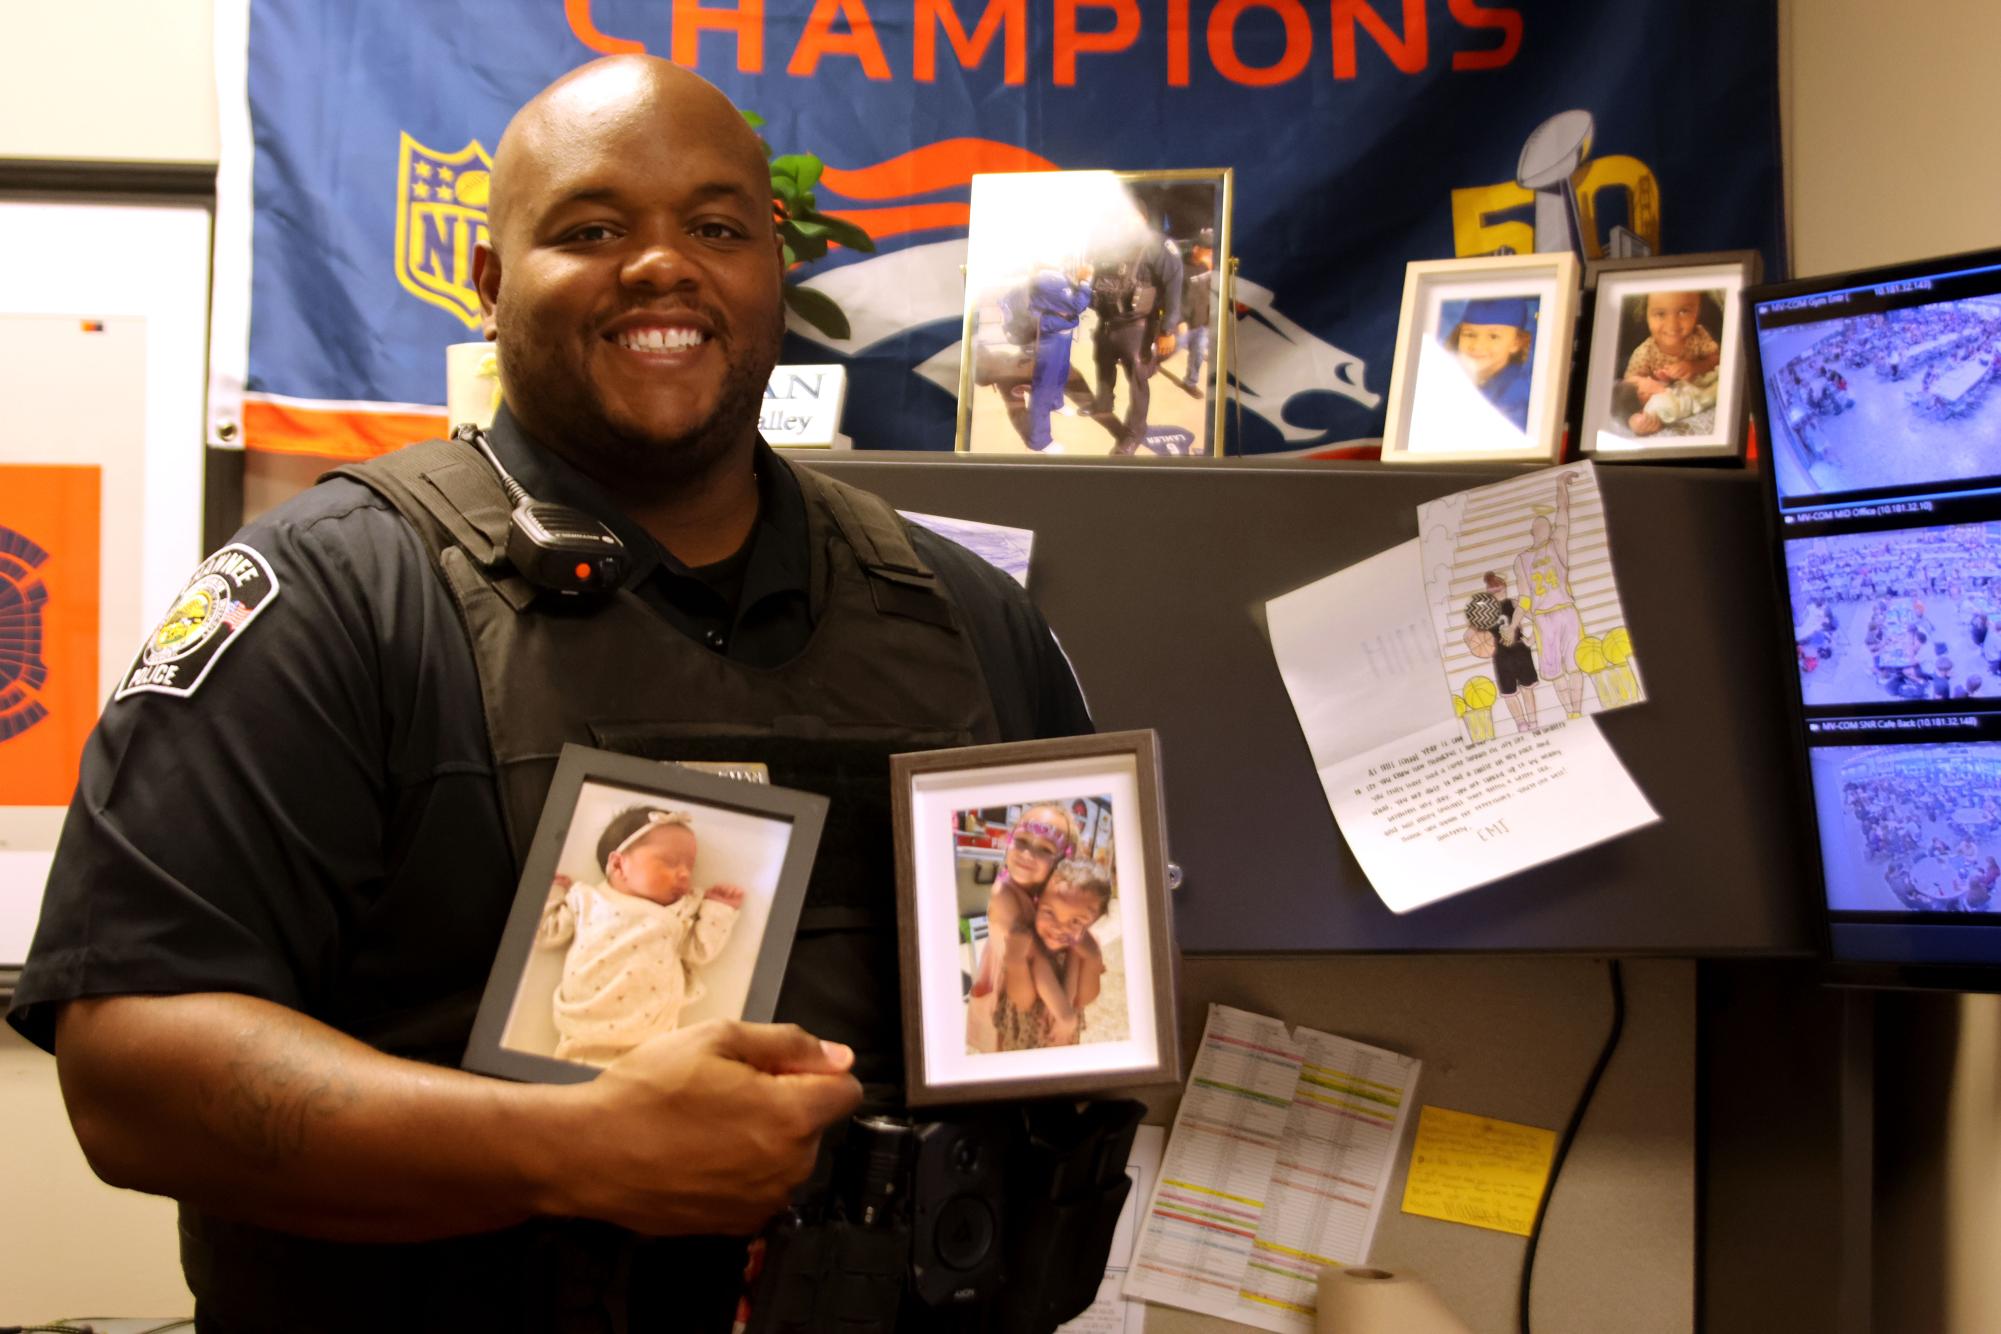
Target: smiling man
284, 875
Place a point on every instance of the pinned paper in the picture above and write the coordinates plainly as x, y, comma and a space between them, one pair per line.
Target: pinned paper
1477, 1171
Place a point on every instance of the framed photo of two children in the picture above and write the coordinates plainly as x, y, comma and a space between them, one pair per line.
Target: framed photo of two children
653, 897
1033, 918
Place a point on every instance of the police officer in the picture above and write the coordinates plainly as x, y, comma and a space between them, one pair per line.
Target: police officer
301, 819
1136, 292
1047, 309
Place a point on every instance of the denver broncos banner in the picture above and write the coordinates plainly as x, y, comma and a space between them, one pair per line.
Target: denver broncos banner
1364, 134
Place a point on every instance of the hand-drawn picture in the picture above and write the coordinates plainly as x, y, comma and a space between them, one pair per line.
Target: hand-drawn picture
1038, 900
1519, 578
1910, 828
1909, 614
1094, 300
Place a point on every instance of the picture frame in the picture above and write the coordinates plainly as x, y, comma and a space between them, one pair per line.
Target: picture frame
1690, 419
546, 1014
1052, 258
1493, 388
975, 828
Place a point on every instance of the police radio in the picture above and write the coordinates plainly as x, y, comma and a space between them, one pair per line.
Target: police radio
556, 548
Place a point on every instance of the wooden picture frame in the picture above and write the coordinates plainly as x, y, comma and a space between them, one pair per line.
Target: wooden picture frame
1482, 360
749, 836
1693, 420
1038, 239
998, 807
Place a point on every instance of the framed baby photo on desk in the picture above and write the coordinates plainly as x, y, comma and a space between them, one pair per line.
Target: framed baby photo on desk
1033, 918
1482, 360
654, 897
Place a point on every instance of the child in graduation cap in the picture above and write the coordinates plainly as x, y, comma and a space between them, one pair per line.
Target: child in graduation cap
1493, 340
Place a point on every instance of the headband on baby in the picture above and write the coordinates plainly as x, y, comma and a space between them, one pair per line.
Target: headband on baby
631, 825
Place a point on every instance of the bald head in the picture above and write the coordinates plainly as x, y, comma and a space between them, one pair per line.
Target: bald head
600, 96
632, 276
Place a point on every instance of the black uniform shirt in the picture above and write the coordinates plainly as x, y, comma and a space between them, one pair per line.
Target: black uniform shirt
318, 825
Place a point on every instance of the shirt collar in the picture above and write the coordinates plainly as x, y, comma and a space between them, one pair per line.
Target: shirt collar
779, 558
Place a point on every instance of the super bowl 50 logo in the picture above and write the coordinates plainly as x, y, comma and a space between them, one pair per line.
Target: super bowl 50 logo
440, 216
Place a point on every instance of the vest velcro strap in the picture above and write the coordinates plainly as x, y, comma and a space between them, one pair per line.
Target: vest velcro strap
454, 487
873, 529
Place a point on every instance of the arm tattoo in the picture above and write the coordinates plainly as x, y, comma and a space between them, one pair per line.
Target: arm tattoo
275, 1093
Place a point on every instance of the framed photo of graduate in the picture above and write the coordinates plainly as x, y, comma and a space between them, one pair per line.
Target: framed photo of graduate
654, 897
1482, 360
1033, 917
1664, 376
1095, 305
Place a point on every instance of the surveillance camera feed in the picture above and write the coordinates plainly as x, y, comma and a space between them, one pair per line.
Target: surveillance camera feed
1884, 423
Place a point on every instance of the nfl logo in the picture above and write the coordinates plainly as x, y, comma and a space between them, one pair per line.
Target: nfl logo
440, 216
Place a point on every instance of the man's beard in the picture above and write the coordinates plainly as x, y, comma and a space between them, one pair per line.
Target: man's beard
645, 465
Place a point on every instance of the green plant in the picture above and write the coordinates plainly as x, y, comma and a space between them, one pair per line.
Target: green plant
806, 231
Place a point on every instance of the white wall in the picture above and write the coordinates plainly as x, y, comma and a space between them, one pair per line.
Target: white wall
71, 1246
115, 79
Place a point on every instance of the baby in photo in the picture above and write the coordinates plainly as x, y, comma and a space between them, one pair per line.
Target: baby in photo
1672, 375
635, 938
1493, 340
1048, 963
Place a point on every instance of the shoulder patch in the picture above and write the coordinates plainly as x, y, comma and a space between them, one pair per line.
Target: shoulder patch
221, 600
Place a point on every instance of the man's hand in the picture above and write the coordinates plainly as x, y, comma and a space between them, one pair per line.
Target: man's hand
705, 1130
1164, 347
730, 894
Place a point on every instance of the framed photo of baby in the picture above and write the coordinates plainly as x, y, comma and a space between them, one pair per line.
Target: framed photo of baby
1482, 360
653, 897
1037, 940
1664, 375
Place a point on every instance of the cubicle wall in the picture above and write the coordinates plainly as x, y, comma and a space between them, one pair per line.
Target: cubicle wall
1154, 575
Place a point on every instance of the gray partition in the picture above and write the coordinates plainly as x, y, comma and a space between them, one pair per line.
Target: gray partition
1152, 574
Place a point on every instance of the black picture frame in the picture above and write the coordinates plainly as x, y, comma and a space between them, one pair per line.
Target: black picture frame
1608, 283
1117, 776
775, 829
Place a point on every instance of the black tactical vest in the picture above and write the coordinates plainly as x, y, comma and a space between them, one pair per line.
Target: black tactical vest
888, 667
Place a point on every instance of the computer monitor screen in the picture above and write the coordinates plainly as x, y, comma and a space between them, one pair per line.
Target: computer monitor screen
1880, 402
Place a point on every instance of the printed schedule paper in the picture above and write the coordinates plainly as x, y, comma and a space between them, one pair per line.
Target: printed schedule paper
1276, 1168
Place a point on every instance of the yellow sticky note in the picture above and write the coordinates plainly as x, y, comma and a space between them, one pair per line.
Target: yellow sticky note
1476, 1170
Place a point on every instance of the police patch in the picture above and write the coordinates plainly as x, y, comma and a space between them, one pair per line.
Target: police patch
224, 596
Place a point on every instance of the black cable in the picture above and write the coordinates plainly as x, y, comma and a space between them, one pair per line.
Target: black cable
1570, 1133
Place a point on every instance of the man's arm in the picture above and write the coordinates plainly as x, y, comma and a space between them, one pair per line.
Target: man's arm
1560, 529
252, 1111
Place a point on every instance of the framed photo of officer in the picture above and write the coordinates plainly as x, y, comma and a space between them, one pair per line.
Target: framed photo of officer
654, 897
1095, 313
1482, 360
1033, 918
1664, 375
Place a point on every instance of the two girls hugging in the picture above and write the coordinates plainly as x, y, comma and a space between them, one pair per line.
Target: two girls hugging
1041, 966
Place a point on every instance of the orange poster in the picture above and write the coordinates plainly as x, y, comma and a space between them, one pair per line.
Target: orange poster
49, 694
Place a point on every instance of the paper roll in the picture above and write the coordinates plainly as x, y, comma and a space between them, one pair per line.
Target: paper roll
472, 383
1376, 1301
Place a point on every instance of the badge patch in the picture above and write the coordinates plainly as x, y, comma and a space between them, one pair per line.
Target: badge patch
224, 596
